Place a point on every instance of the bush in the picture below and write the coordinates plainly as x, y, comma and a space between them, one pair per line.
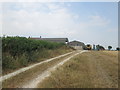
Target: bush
23, 61
8, 62
20, 51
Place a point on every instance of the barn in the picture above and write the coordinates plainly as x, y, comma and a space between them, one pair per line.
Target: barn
58, 40
77, 45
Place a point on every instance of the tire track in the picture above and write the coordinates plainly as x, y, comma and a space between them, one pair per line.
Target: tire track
2, 78
34, 82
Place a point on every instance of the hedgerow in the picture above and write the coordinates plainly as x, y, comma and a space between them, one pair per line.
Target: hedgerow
19, 51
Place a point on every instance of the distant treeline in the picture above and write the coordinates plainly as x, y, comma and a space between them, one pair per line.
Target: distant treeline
19, 51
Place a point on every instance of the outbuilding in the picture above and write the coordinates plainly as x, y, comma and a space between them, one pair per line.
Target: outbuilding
58, 40
77, 45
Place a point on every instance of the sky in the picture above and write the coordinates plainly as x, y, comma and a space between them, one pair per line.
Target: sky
88, 22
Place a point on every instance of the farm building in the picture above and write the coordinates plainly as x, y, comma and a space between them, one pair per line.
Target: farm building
58, 40
77, 45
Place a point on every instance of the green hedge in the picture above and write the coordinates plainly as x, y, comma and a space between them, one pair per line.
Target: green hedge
19, 51
18, 45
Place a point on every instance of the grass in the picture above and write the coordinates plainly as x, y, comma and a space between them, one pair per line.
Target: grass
46, 54
95, 69
24, 77
111, 53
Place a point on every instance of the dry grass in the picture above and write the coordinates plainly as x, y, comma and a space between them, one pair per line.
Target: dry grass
111, 53
22, 78
95, 69
46, 54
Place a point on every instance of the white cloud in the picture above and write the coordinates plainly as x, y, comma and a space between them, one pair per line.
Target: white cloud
59, 0
99, 21
52, 6
56, 21
0, 19
69, 5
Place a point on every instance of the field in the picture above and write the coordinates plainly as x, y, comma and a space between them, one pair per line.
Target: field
92, 69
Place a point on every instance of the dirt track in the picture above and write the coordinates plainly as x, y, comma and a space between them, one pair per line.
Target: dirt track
27, 68
35, 81
30, 77
91, 69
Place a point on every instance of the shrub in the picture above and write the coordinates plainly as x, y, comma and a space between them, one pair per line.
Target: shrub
20, 51
23, 61
8, 62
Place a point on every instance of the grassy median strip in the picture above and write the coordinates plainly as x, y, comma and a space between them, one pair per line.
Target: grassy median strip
23, 78
94, 69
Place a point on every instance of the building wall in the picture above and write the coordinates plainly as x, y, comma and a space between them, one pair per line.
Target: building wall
77, 45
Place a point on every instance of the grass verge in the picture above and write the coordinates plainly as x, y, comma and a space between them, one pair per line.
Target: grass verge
95, 69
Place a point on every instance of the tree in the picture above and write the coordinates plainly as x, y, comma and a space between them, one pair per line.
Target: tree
98, 47
93, 46
118, 49
101, 48
109, 47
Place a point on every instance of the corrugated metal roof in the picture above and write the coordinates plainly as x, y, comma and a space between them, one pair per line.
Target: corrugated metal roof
76, 42
62, 40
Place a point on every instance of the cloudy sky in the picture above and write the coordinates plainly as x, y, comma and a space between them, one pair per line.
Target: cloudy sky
88, 22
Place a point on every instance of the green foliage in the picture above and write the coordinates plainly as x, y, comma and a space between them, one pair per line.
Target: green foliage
109, 47
19, 51
8, 62
118, 49
23, 61
99, 47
